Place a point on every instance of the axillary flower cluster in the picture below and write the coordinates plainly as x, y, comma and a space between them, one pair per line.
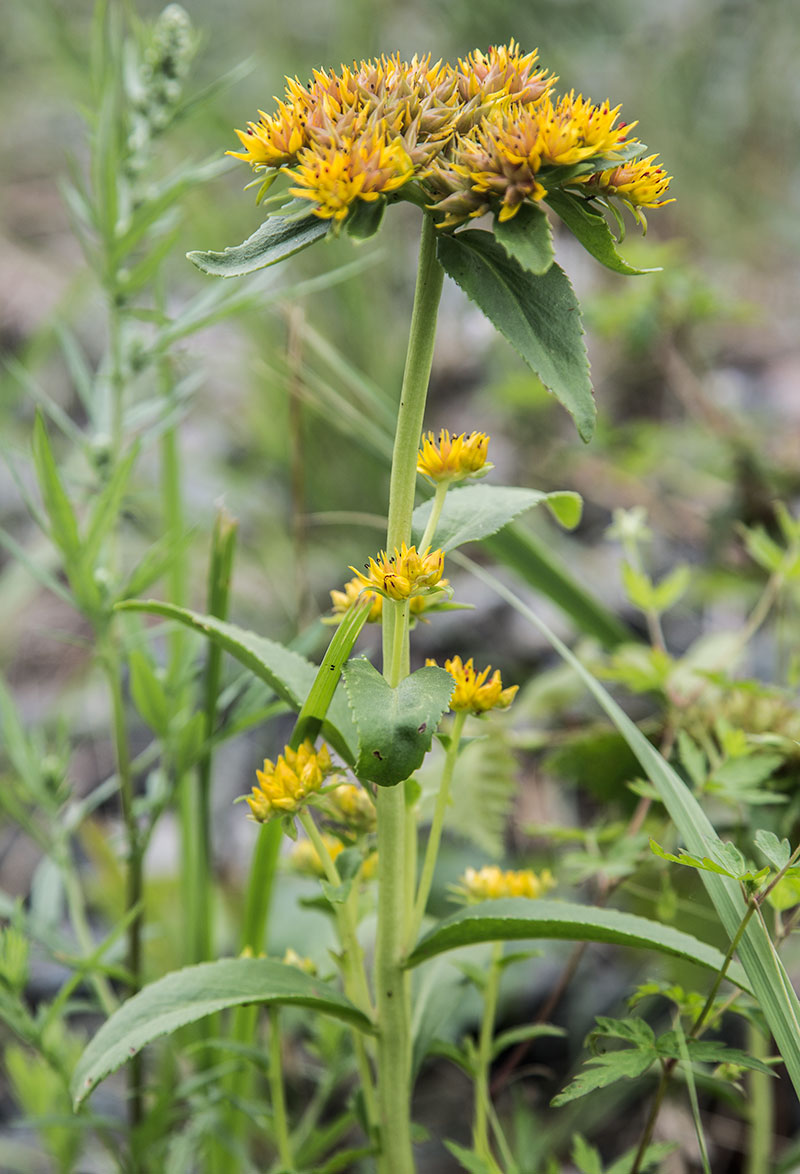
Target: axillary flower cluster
486, 134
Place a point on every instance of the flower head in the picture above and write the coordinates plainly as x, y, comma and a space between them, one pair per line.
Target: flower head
404, 574
473, 692
491, 883
334, 175
349, 804
353, 589
284, 786
304, 856
641, 182
453, 458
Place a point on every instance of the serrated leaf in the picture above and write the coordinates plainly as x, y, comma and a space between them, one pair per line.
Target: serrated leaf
709, 1051
591, 228
478, 511
184, 996
527, 238
395, 726
520, 918
276, 239
601, 1071
539, 316
290, 675
585, 1156
635, 1031
468, 1159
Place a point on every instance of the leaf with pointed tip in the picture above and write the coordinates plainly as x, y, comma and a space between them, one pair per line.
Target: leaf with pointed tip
528, 238
278, 237
184, 996
395, 726
287, 672
539, 315
478, 511
591, 228
522, 918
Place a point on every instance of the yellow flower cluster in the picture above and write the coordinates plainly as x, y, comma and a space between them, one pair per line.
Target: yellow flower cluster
492, 883
473, 692
304, 856
284, 786
350, 805
453, 458
484, 135
404, 574
353, 589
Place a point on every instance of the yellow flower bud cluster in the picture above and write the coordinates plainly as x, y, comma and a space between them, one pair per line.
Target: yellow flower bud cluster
353, 589
492, 883
304, 856
453, 458
404, 574
285, 785
486, 134
473, 692
349, 804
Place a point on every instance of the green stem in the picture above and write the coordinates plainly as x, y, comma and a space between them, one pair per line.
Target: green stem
480, 1129
436, 513
134, 881
391, 987
279, 1117
435, 834
760, 1108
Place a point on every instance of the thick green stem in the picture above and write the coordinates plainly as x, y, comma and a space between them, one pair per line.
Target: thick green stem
435, 834
436, 513
391, 987
480, 1129
760, 1107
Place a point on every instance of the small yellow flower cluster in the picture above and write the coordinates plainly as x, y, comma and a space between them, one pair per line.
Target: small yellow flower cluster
486, 134
453, 458
492, 883
284, 786
350, 805
305, 858
405, 574
292, 958
353, 589
473, 692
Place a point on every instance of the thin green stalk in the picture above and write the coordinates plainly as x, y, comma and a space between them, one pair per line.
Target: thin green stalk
134, 883
760, 1108
391, 987
76, 906
436, 513
279, 1118
480, 1128
437, 825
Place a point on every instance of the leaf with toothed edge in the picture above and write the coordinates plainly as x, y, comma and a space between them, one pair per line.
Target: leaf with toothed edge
539, 315
278, 237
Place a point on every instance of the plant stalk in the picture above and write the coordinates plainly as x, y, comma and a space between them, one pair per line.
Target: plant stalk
391, 986
480, 1129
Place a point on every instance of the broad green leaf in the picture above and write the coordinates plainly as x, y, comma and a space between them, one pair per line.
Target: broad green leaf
395, 726
276, 239
778, 852
365, 219
539, 316
289, 674
184, 996
591, 229
478, 511
601, 1071
527, 238
63, 523
521, 918
765, 971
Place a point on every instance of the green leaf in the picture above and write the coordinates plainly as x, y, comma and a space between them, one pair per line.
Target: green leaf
276, 239
395, 726
468, 1159
585, 1156
290, 675
63, 523
518, 1035
184, 996
478, 511
527, 238
106, 508
365, 219
520, 918
539, 316
592, 230
765, 971
778, 852
601, 1071
148, 693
